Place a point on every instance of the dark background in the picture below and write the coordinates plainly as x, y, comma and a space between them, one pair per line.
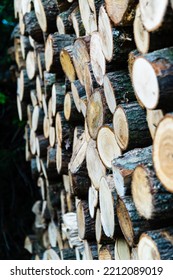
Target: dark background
17, 190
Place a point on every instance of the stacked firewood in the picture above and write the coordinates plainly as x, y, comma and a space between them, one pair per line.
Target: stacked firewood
95, 87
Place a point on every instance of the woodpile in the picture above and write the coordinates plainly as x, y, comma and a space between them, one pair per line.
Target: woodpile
95, 87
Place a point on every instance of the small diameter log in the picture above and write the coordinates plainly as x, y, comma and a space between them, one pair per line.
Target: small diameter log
88, 16
121, 13
97, 58
107, 202
117, 89
122, 249
78, 92
106, 252
68, 254
153, 119
63, 156
51, 254
155, 89
131, 224
39, 89
78, 137
54, 44
30, 109
41, 146
100, 235
156, 245
18, 54
25, 45
34, 170
46, 12
81, 56
58, 94
107, 145
32, 142
49, 80
157, 203
97, 113
33, 96
66, 59
76, 20
130, 126
70, 111
64, 134
152, 21
53, 195
33, 27
41, 63
31, 65
52, 136
150, 41
124, 166
92, 200
86, 225
90, 250
51, 157
89, 80
162, 152
95, 167
80, 184
46, 127
131, 59
25, 86
37, 119
52, 233
63, 22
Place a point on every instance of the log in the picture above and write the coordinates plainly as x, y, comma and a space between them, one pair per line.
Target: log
41, 63
39, 90
25, 45
49, 80
46, 127
80, 183
154, 90
66, 59
76, 20
33, 27
64, 135
130, 127
78, 92
51, 157
100, 235
41, 146
63, 22
33, 96
153, 119
121, 13
89, 80
54, 44
162, 152
86, 225
25, 85
70, 111
63, 156
88, 15
37, 119
58, 93
31, 65
107, 202
68, 254
95, 167
122, 250
117, 89
92, 196
97, 113
81, 56
32, 142
158, 203
156, 245
90, 251
52, 136
124, 166
107, 145
106, 252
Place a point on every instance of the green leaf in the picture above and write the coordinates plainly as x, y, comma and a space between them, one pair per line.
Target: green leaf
3, 98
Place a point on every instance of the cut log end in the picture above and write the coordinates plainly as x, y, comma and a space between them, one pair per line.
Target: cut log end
48, 54
67, 65
147, 88
147, 249
163, 152
107, 146
121, 128
141, 190
109, 94
122, 250
67, 106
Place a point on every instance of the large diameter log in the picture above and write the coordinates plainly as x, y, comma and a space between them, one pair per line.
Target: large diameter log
81, 56
156, 245
130, 126
121, 13
162, 152
95, 167
124, 166
154, 90
97, 58
46, 12
97, 113
157, 203
153, 119
86, 224
54, 44
117, 88
150, 41
107, 145
152, 21
66, 59
33, 27
107, 202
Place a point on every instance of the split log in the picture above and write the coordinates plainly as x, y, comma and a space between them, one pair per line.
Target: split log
107, 145
54, 44
121, 13
130, 126
154, 90
86, 225
107, 202
97, 113
157, 203
156, 245
117, 89
162, 152
33, 27
122, 249
95, 167
106, 252
124, 166
66, 59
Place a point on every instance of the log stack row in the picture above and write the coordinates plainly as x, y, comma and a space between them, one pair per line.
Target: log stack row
95, 88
